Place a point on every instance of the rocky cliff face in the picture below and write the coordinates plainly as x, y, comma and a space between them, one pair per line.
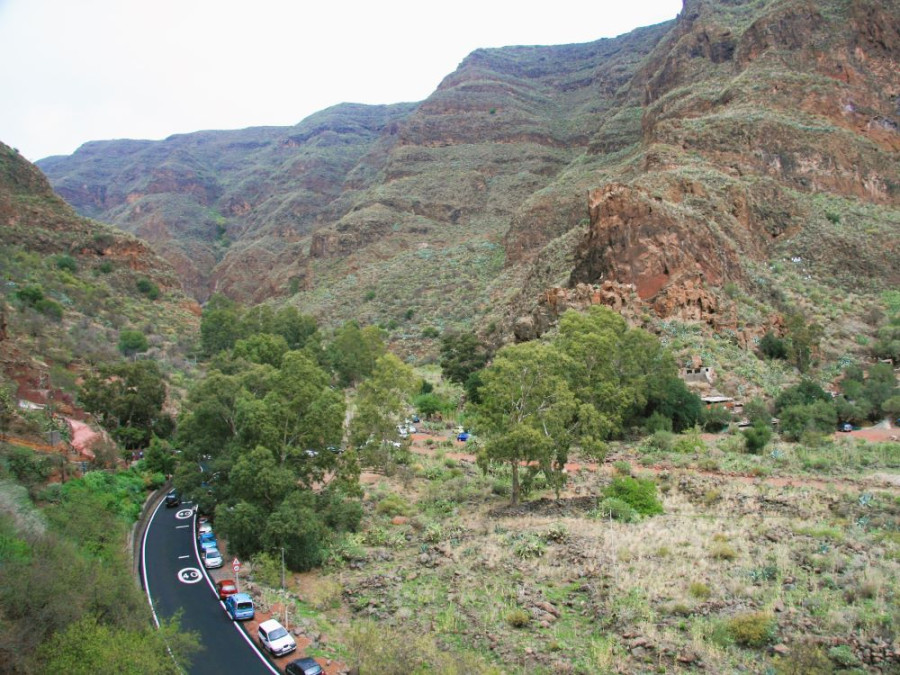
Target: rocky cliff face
674, 160
750, 117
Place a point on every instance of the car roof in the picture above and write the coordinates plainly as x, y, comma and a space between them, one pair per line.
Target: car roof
271, 624
241, 597
305, 661
225, 582
212, 551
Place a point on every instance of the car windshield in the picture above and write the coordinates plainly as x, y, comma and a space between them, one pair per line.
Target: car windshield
276, 633
212, 553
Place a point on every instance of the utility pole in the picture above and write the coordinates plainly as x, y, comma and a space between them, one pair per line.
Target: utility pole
283, 593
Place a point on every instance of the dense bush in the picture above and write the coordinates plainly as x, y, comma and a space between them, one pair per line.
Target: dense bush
66, 263
752, 629
393, 505
820, 416
716, 418
616, 509
638, 493
148, 288
773, 347
757, 437
132, 342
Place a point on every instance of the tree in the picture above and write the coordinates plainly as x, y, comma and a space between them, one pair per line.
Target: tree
891, 407
257, 477
804, 393
600, 376
380, 407
219, 325
820, 416
461, 355
773, 347
802, 340
670, 396
296, 527
127, 399
241, 523
757, 412
429, 404
132, 342
296, 328
159, 457
208, 424
879, 386
527, 411
262, 348
354, 351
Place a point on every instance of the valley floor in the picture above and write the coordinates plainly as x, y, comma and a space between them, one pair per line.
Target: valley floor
758, 562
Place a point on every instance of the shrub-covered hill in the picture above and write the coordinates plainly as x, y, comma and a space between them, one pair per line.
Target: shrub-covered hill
71, 288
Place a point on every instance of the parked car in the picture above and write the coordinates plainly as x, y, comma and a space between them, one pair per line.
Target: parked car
225, 588
239, 606
211, 558
205, 527
172, 498
207, 540
463, 437
275, 638
415, 418
305, 666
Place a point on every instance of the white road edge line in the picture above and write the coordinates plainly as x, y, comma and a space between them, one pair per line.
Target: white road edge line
235, 624
144, 563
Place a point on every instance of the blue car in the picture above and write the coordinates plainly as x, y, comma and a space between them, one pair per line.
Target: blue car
207, 540
463, 437
239, 606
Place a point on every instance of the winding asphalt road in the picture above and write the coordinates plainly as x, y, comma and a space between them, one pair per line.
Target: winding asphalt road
174, 580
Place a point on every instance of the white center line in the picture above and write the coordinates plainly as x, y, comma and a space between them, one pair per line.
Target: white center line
181, 527
182, 557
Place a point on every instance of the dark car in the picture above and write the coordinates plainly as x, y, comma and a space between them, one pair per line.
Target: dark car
305, 666
172, 498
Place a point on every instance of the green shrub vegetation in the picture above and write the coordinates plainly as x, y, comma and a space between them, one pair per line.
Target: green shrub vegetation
638, 493
752, 629
66, 588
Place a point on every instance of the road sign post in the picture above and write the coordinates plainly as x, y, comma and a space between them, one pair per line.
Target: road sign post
236, 566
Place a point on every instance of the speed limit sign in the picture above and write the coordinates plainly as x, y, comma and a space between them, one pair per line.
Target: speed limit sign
236, 565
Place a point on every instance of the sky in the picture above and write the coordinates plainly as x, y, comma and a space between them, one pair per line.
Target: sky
73, 71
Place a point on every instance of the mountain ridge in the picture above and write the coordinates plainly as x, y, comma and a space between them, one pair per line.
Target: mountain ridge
662, 166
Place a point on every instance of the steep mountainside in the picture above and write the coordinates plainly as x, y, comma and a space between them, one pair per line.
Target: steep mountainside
70, 285
750, 146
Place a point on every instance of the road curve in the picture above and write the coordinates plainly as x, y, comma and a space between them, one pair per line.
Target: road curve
174, 580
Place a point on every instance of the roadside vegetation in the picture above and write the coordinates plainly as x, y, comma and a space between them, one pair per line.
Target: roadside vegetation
70, 602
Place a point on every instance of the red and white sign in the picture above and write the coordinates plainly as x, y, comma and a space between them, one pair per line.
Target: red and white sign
235, 565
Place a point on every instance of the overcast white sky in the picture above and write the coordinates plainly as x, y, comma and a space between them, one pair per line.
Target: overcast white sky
73, 71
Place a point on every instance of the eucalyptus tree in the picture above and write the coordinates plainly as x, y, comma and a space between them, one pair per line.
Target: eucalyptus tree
380, 407
527, 412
